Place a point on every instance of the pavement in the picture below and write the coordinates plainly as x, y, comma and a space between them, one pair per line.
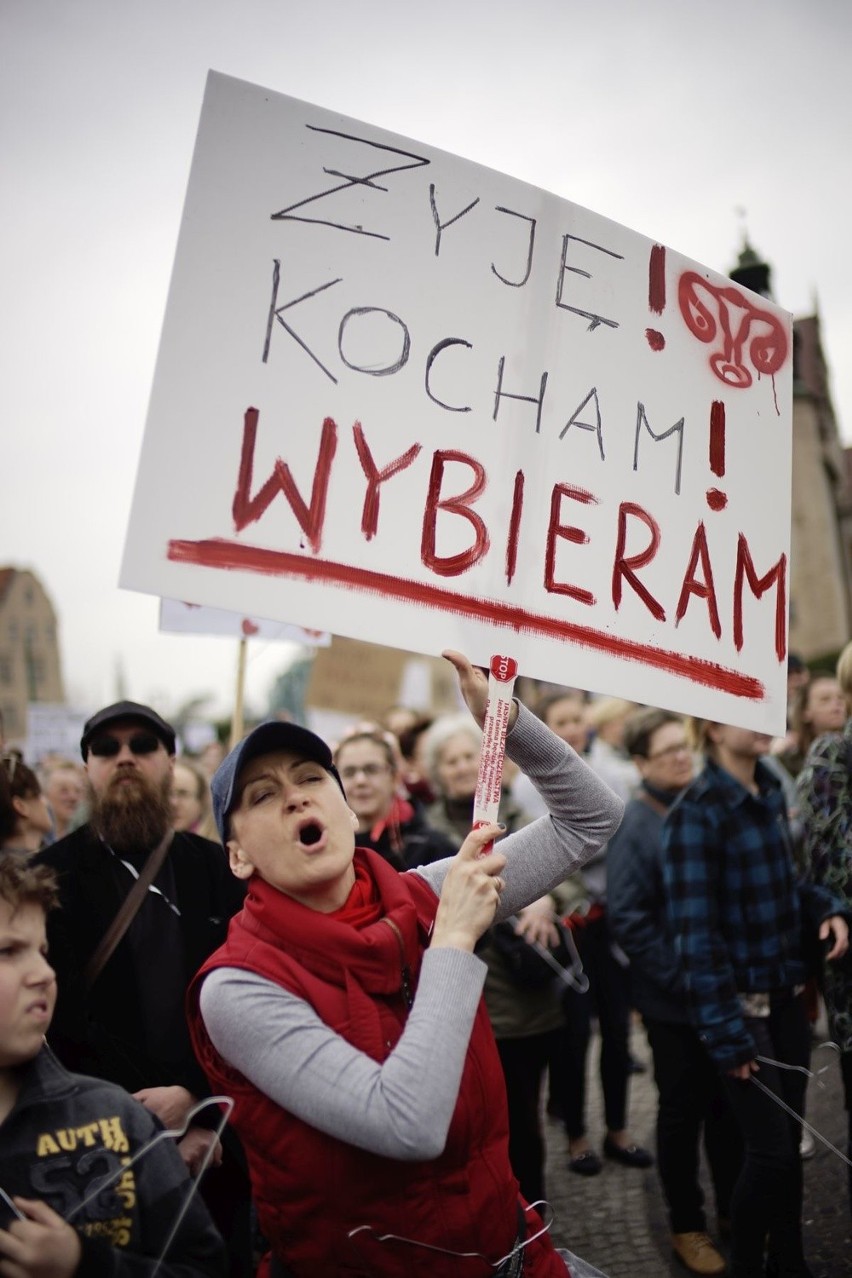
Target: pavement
617, 1221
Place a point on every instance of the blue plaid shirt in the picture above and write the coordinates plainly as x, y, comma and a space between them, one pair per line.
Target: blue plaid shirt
733, 902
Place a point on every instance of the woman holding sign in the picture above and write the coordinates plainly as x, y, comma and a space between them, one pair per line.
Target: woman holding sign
344, 1013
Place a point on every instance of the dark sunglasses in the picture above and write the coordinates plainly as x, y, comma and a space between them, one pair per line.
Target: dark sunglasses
107, 747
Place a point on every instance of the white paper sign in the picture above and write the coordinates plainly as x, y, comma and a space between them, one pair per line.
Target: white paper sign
177, 617
433, 406
53, 728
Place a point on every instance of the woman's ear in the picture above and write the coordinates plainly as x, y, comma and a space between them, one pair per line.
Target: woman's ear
240, 865
353, 818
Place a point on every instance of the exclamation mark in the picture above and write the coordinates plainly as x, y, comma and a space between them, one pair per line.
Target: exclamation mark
716, 499
656, 294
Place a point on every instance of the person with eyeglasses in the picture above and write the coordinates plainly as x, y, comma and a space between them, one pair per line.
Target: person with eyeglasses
389, 822
691, 1099
120, 1013
25, 822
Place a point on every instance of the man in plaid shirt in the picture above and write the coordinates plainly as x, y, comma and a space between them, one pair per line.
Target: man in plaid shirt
737, 913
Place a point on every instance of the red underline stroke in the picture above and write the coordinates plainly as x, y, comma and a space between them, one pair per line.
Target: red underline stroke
230, 555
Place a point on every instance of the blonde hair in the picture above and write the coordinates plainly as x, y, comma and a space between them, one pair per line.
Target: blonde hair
607, 710
844, 672
698, 731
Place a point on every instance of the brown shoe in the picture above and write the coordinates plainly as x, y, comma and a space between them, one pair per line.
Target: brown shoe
696, 1251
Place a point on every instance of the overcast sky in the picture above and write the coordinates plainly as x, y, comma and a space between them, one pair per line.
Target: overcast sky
665, 116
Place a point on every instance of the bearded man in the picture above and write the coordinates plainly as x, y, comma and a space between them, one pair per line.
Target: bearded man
121, 1017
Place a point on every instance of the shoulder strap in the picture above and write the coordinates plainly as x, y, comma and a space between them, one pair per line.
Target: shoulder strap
127, 912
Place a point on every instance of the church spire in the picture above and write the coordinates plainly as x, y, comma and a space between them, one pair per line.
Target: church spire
751, 272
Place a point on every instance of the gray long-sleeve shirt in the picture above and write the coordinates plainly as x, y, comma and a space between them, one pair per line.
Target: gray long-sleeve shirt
402, 1107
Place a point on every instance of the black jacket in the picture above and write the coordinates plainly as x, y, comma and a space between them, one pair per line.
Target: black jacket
413, 842
636, 908
106, 1031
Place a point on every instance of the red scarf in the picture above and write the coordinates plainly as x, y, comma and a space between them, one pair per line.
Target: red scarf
398, 814
362, 906
353, 946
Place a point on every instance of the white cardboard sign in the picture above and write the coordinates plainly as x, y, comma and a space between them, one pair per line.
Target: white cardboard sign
411, 400
178, 617
53, 728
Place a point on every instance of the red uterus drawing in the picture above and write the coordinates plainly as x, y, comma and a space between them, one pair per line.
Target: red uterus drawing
743, 331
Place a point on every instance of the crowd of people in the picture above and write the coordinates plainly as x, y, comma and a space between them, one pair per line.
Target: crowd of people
392, 1000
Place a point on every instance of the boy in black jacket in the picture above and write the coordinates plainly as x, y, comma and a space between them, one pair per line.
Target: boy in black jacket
61, 1135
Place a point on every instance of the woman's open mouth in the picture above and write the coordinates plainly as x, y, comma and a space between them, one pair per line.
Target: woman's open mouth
310, 834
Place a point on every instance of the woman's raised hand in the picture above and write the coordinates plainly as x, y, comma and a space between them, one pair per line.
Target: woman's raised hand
473, 684
471, 891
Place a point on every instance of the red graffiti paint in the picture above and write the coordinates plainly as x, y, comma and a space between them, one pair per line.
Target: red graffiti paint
716, 499
311, 516
376, 477
777, 577
556, 530
657, 280
717, 437
703, 587
625, 566
656, 294
460, 504
745, 330
229, 555
514, 527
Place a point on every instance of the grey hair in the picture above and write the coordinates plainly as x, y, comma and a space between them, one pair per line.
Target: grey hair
451, 725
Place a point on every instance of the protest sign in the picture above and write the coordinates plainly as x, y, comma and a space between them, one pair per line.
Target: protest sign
438, 407
53, 728
177, 617
362, 681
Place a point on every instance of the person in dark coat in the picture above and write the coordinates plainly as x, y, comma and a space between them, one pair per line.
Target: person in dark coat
126, 1022
691, 1096
739, 915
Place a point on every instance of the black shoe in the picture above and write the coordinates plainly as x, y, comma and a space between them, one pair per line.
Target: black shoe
628, 1155
587, 1164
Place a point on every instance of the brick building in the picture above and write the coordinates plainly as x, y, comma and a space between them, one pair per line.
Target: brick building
821, 532
30, 668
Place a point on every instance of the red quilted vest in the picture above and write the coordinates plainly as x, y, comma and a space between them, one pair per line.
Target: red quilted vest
311, 1189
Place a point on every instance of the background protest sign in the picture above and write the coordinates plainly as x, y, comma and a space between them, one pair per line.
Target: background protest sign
177, 617
438, 407
365, 680
53, 728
